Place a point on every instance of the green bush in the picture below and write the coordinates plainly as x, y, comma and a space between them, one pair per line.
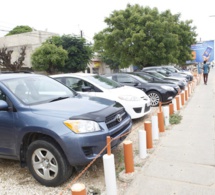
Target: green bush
175, 119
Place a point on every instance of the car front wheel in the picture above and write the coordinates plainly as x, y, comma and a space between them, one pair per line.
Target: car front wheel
155, 98
47, 163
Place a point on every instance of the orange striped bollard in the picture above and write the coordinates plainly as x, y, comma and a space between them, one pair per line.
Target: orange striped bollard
182, 98
160, 121
186, 94
177, 102
78, 189
108, 139
148, 129
171, 110
128, 156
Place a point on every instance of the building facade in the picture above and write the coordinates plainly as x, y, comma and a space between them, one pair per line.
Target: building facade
31, 40
34, 39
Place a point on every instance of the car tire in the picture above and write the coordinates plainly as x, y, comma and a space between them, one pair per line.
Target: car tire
155, 98
47, 163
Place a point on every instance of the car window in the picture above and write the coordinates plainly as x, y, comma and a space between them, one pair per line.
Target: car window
34, 90
74, 83
2, 95
103, 82
125, 79
146, 77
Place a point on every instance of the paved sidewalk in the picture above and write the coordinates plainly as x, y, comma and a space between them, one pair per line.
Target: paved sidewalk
183, 162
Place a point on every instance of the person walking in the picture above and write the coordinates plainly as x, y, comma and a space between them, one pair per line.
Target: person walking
206, 70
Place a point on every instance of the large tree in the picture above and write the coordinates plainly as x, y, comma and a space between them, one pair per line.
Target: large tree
79, 52
6, 59
142, 36
49, 58
19, 30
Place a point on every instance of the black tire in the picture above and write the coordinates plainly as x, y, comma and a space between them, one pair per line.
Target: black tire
155, 98
47, 163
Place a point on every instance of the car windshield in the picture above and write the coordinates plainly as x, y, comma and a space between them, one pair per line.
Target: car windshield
172, 69
104, 82
163, 72
158, 75
38, 89
146, 77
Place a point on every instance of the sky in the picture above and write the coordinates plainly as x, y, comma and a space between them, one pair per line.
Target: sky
87, 16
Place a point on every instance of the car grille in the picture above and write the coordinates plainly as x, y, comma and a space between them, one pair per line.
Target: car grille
115, 119
138, 110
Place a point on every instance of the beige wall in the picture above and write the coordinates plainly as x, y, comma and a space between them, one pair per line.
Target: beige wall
31, 40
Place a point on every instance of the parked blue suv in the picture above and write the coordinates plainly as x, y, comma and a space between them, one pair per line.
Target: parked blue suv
50, 128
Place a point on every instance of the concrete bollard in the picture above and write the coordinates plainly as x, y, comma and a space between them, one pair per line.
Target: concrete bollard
78, 189
171, 109
177, 102
142, 144
148, 128
128, 156
186, 94
109, 170
174, 105
110, 174
155, 130
182, 98
188, 90
166, 115
160, 122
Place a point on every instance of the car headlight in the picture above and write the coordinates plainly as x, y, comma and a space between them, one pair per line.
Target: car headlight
129, 98
168, 88
82, 126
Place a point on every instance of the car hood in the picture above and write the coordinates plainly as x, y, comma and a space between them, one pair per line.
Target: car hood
127, 90
87, 107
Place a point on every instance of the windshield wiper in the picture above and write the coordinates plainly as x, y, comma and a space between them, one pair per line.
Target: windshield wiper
59, 98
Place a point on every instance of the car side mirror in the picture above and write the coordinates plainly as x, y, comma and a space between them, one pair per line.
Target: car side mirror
3, 105
136, 84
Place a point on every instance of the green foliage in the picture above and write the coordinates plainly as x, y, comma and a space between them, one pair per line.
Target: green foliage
142, 36
49, 58
175, 119
79, 52
113, 64
19, 30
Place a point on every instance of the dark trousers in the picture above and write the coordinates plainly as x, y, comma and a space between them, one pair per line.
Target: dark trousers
205, 78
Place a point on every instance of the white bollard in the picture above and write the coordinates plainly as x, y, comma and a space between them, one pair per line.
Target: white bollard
180, 105
174, 105
166, 115
110, 174
155, 130
190, 88
142, 144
